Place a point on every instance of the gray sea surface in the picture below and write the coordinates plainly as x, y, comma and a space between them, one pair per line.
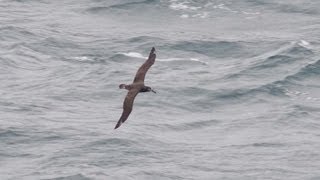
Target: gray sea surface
238, 89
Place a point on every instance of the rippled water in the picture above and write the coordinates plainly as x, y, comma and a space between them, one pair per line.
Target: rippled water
237, 89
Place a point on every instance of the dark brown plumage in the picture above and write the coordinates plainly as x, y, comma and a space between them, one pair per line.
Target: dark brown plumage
136, 87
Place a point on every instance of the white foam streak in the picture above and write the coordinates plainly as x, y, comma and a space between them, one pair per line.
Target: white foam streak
134, 54
140, 56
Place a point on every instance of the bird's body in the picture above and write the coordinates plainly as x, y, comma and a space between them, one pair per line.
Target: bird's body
136, 87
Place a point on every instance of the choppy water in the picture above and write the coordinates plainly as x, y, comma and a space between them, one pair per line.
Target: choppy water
238, 89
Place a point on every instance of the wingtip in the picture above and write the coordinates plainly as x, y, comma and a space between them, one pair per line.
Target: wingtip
152, 50
118, 125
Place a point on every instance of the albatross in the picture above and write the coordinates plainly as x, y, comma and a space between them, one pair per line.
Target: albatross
136, 87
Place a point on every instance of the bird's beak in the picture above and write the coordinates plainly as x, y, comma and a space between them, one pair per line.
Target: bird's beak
153, 91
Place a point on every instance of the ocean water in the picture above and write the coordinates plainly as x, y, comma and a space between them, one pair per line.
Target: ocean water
238, 89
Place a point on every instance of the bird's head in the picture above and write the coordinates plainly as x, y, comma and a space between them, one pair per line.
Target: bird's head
150, 89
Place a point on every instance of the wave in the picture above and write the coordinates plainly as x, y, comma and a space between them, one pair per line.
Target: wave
10, 133
310, 8
12, 33
224, 48
276, 88
311, 69
23, 57
280, 61
209, 48
275, 72
144, 39
125, 5
75, 177
192, 125
296, 112
113, 141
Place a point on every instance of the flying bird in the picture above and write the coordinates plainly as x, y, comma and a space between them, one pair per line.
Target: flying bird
136, 87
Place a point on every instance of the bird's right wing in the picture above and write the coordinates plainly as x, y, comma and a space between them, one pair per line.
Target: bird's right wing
141, 73
127, 106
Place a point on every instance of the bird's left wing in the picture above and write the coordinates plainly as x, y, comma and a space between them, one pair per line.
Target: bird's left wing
127, 106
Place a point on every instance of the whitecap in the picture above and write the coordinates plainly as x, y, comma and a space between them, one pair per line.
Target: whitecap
182, 6
83, 58
201, 15
303, 43
250, 13
184, 16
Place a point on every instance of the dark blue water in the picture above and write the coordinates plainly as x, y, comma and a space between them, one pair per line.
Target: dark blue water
238, 89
